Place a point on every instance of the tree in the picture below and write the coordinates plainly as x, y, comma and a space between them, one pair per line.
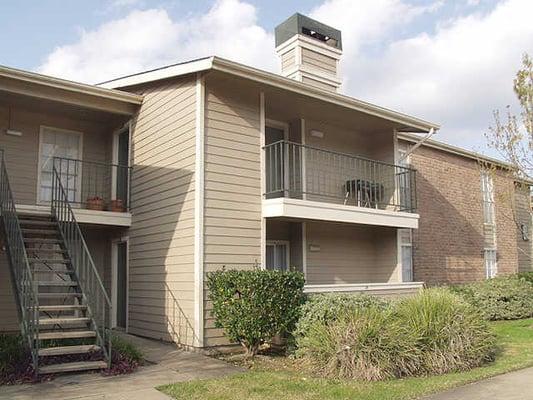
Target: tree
512, 135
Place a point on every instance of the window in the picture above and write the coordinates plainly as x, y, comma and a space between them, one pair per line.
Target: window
491, 265
489, 220
64, 144
524, 229
487, 189
277, 255
406, 254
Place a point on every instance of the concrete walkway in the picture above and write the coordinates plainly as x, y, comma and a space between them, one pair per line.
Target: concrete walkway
169, 365
516, 385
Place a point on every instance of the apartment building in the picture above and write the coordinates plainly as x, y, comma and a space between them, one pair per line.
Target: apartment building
118, 199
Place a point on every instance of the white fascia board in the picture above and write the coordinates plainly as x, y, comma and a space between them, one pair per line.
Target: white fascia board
172, 71
320, 211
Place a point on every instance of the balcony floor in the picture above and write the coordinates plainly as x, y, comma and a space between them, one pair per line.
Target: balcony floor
83, 216
320, 211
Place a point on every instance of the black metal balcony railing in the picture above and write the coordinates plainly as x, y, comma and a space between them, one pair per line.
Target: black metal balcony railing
298, 171
95, 185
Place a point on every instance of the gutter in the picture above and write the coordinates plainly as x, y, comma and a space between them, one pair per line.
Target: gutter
431, 132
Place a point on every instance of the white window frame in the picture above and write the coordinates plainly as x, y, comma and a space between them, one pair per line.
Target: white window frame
42, 128
490, 272
401, 245
287, 245
114, 281
116, 134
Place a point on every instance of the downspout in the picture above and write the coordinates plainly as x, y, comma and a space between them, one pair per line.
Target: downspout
431, 132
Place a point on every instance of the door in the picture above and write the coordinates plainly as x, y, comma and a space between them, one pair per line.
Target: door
122, 173
67, 145
120, 263
277, 255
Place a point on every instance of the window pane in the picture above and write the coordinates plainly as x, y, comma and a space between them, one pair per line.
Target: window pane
269, 256
407, 263
281, 257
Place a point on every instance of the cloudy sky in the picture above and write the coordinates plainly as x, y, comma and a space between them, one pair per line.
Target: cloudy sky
448, 61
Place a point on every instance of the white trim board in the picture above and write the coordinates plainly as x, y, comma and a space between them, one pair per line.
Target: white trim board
83, 216
319, 211
199, 213
362, 287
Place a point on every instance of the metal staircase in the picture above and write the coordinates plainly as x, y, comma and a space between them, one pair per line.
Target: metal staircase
63, 306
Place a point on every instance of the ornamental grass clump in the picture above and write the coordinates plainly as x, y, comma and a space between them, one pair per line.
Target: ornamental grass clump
450, 334
366, 343
432, 332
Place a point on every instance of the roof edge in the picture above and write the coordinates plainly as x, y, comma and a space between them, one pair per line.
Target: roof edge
71, 86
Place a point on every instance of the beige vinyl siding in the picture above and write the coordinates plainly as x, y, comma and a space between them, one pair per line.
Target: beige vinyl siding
22, 152
320, 61
350, 254
288, 60
161, 256
232, 215
318, 84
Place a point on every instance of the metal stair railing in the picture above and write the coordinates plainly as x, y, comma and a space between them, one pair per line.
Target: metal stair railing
27, 297
93, 291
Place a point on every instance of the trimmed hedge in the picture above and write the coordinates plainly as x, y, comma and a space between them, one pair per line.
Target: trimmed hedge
254, 306
500, 298
432, 332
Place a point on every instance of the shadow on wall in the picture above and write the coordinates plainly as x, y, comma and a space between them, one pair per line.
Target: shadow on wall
161, 274
448, 244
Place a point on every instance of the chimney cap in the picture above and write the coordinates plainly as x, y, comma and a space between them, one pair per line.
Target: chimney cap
299, 24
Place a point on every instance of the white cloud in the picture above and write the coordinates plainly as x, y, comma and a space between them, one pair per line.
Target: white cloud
455, 74
150, 38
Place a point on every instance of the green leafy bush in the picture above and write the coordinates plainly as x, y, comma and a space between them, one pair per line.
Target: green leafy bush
500, 298
332, 306
451, 335
254, 306
12, 351
527, 276
432, 332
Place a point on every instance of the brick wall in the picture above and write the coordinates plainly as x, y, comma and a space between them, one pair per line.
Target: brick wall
448, 246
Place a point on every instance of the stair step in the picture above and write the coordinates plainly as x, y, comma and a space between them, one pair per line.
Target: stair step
74, 366
58, 295
64, 350
36, 222
41, 250
63, 321
41, 240
66, 335
65, 307
44, 270
57, 283
45, 232
34, 260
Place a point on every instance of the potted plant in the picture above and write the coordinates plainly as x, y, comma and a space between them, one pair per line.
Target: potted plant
95, 203
117, 205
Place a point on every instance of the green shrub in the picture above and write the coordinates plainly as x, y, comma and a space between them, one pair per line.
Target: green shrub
332, 306
450, 334
12, 352
432, 332
500, 298
527, 276
126, 349
254, 306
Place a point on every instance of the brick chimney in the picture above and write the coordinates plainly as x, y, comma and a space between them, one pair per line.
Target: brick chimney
309, 51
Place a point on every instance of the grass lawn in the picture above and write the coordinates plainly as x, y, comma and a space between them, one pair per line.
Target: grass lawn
278, 378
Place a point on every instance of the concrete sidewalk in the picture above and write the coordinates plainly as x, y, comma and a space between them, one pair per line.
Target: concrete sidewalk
169, 365
516, 385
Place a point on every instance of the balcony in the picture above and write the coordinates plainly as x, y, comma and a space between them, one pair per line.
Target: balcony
307, 182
